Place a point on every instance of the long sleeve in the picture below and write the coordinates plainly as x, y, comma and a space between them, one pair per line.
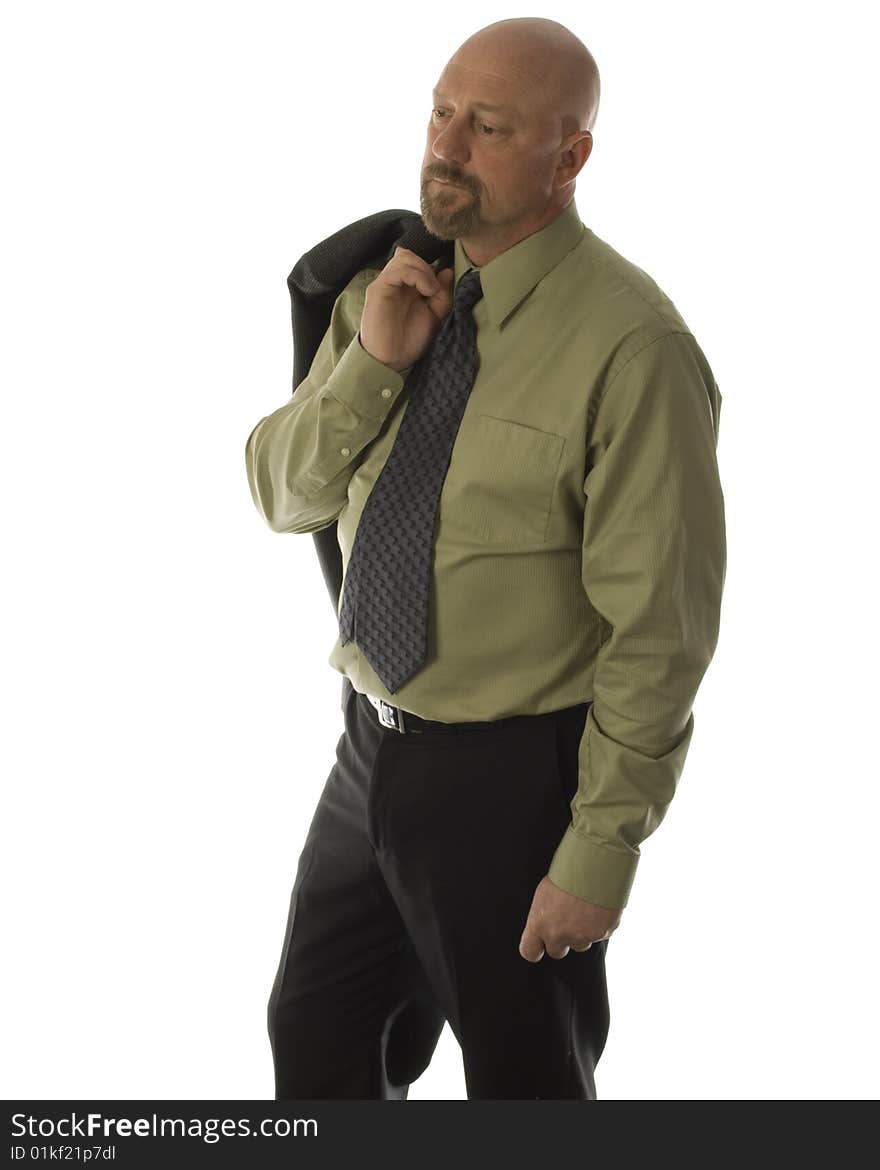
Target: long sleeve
301, 457
653, 567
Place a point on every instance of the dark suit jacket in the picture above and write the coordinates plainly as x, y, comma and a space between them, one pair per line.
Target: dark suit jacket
316, 281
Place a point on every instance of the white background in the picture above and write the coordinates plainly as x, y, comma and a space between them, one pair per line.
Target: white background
169, 714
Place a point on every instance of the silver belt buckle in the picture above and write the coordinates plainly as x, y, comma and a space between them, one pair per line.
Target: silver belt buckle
387, 714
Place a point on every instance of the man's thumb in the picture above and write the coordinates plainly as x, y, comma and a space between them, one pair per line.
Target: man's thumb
441, 301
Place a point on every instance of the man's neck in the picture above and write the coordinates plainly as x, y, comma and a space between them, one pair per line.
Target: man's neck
479, 250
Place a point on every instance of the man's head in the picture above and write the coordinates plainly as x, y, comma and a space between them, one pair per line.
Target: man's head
513, 167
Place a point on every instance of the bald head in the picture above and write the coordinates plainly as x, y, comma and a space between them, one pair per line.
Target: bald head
510, 129
555, 68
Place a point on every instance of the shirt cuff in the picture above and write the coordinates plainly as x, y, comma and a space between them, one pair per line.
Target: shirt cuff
365, 384
588, 870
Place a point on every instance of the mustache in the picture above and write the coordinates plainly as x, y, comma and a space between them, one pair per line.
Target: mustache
461, 180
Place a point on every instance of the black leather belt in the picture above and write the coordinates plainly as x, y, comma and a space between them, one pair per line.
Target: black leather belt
407, 723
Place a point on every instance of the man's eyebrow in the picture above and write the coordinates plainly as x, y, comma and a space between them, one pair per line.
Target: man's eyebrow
477, 105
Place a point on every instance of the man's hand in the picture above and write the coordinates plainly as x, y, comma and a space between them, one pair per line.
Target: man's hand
404, 308
559, 922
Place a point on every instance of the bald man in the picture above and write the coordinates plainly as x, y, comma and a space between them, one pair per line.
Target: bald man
477, 839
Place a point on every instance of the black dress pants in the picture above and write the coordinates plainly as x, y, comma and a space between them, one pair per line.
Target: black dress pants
409, 902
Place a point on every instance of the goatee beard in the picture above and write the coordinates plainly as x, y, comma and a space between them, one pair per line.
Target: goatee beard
449, 216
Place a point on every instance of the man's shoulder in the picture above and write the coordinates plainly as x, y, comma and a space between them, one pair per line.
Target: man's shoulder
620, 307
622, 292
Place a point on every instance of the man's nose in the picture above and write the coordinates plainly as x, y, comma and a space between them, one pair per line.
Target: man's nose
449, 145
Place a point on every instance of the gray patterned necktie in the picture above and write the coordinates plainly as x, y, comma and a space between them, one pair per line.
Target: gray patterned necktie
388, 577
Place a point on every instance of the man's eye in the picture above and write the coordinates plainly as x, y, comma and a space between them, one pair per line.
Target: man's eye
489, 130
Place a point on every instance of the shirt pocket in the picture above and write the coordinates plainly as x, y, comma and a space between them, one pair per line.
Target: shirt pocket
503, 478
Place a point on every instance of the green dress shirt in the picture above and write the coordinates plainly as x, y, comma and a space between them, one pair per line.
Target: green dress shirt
580, 546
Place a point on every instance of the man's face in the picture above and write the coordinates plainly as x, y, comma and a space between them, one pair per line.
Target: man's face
485, 167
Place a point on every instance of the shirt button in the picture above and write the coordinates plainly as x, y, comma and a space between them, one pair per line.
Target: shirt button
386, 393
345, 450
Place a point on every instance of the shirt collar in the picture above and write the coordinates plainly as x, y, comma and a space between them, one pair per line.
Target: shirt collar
512, 274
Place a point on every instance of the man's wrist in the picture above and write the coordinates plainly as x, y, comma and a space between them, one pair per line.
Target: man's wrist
398, 370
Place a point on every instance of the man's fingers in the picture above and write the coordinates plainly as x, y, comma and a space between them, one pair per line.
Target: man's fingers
533, 949
530, 946
441, 302
446, 280
406, 268
397, 275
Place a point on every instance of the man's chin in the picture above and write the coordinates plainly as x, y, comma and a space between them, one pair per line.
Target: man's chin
442, 231
445, 227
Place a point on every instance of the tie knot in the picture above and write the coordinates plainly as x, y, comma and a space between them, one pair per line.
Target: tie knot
468, 291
